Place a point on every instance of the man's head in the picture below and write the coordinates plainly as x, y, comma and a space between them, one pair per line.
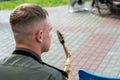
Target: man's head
31, 27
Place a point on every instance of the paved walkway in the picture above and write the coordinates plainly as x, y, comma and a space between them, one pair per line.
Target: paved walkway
93, 41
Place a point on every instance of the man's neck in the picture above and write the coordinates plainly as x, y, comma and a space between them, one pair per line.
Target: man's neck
34, 49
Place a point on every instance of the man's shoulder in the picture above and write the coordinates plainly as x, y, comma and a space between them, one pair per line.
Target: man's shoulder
27, 65
20, 61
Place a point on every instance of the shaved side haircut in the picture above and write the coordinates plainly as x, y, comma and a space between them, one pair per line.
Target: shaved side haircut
24, 19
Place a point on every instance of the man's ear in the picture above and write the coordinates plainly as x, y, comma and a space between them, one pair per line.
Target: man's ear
39, 36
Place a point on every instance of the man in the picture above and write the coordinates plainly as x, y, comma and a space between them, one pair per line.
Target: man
31, 28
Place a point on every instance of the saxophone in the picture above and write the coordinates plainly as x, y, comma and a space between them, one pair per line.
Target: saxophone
67, 68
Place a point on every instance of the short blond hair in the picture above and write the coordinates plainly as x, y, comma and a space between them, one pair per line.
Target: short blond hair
23, 17
26, 13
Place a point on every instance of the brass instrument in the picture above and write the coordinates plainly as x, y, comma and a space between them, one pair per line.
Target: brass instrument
68, 56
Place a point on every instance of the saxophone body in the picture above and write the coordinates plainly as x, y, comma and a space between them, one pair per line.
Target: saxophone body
67, 68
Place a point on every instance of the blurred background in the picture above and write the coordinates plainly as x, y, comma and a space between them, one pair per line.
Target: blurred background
10, 4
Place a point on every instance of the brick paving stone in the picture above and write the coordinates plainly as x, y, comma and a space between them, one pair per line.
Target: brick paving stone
93, 41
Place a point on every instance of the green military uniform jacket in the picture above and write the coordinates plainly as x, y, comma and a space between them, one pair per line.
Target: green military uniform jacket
24, 64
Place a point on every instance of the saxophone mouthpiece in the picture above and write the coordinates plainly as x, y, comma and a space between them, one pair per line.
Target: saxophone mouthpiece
58, 32
60, 36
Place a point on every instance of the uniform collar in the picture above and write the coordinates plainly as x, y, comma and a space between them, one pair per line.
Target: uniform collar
29, 53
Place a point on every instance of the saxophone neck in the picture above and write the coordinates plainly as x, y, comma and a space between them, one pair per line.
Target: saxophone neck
68, 56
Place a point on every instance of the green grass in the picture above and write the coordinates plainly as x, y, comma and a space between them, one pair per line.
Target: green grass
44, 3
